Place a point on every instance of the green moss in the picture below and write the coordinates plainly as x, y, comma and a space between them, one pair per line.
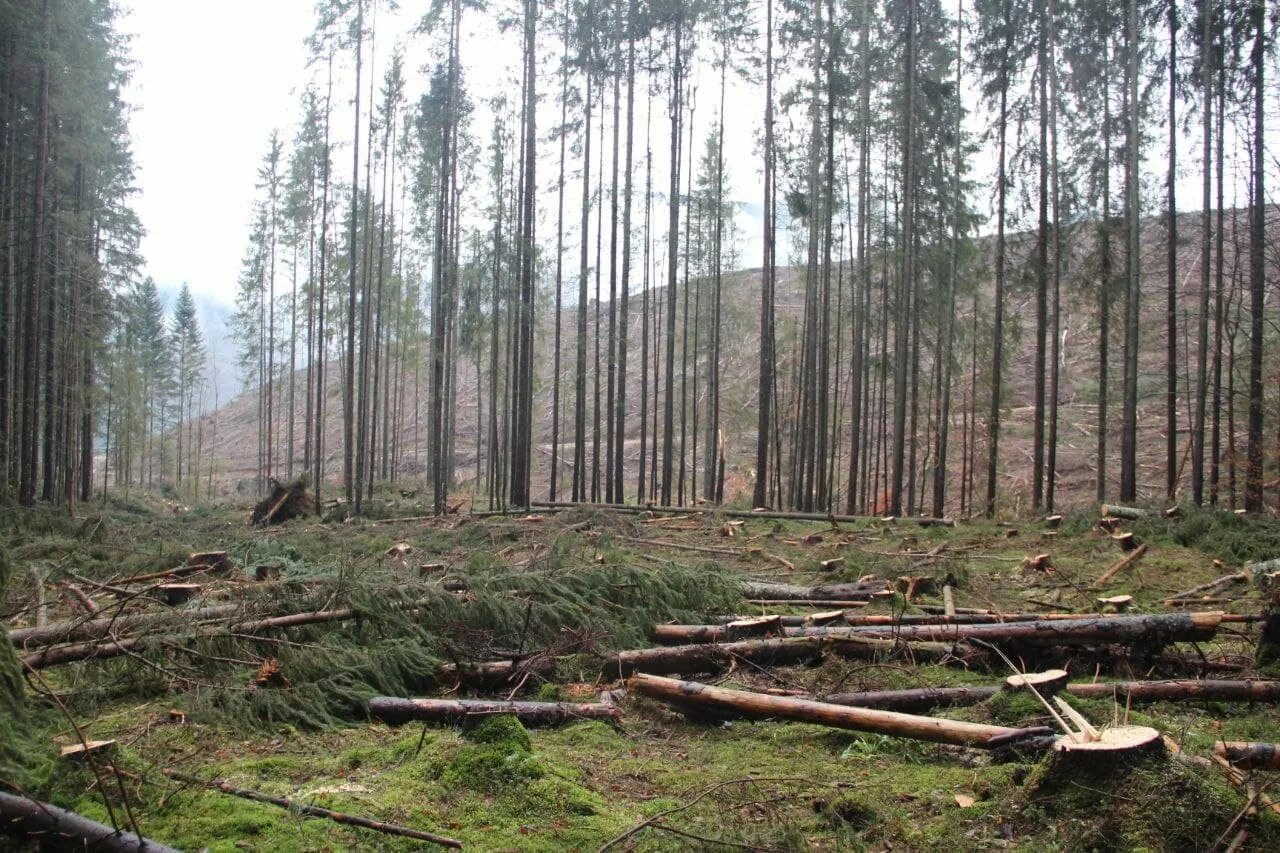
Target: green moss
1155, 804
1014, 708
498, 753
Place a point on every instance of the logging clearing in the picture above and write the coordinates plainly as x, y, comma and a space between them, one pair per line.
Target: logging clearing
559, 684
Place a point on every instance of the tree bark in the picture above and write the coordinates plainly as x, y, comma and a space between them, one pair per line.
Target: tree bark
702, 696
396, 712
58, 828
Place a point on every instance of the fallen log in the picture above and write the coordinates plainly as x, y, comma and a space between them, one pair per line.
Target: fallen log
91, 629
824, 618
761, 705
498, 673
57, 829
397, 712
1178, 690
1157, 629
862, 590
1128, 513
1181, 690
1086, 627
1211, 586
696, 658
1249, 756
1119, 565
315, 811
806, 602
107, 648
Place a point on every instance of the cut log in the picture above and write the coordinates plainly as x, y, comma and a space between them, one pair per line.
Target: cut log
1249, 756
1122, 692
859, 591
1180, 690
1126, 512
315, 811
916, 699
80, 597
807, 602
698, 658
824, 618
82, 751
1118, 603
494, 674
948, 601
712, 657
761, 705
397, 712
55, 828
1046, 683
1120, 565
1157, 629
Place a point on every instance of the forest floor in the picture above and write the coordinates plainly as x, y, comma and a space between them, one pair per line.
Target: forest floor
577, 584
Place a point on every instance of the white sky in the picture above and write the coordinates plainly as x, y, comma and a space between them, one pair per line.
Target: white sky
210, 82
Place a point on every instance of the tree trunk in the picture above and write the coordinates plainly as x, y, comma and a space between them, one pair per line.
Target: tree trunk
397, 712
705, 697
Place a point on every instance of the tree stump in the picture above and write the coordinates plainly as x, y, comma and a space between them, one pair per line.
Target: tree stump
1046, 683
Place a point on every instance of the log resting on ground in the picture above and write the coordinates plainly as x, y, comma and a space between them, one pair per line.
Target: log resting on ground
715, 657
1156, 629
792, 626
396, 712
692, 694
1185, 690
1249, 756
59, 829
92, 629
824, 592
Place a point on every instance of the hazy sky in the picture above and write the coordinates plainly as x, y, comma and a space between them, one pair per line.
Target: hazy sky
210, 82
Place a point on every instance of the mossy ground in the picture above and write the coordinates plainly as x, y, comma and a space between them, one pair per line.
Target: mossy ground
763, 784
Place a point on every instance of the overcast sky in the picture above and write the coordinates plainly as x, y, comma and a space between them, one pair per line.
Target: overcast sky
210, 82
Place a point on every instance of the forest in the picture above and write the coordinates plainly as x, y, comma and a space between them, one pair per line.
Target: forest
903, 373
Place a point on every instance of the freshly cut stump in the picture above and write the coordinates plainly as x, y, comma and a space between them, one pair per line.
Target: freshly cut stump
1114, 746
1046, 683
